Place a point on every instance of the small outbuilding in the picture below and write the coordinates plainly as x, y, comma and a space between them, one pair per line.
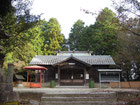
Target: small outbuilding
18, 80
109, 75
18, 77
35, 68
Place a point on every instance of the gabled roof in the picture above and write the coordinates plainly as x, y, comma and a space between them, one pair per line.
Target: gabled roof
74, 58
91, 60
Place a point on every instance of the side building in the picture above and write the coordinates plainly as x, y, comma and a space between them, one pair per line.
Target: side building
76, 68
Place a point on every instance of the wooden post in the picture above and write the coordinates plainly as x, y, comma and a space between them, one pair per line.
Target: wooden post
58, 75
43, 79
40, 77
119, 80
84, 76
35, 76
30, 75
100, 79
27, 77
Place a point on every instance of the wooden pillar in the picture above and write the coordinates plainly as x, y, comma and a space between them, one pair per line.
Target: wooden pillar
35, 76
100, 79
30, 75
84, 76
58, 75
40, 77
43, 79
27, 77
119, 80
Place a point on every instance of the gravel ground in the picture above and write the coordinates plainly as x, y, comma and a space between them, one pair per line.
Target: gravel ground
72, 90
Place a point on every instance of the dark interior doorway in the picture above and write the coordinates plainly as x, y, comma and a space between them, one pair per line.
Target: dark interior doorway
72, 77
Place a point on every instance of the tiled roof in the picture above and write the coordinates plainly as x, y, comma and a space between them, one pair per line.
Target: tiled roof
92, 60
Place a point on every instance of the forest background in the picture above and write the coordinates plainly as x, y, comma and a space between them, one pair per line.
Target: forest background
115, 34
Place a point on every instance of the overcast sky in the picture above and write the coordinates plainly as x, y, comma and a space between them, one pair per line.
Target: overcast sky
67, 12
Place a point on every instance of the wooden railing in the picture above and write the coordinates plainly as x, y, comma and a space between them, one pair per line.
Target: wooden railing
72, 82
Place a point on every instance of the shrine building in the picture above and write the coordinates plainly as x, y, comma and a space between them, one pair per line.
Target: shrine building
76, 68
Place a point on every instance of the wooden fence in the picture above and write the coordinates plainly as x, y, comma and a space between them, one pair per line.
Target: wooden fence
130, 84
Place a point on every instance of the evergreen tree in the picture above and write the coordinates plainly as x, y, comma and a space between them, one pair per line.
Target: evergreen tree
53, 37
100, 37
104, 33
128, 54
75, 35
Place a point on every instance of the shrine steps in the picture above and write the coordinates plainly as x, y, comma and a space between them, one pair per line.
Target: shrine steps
95, 98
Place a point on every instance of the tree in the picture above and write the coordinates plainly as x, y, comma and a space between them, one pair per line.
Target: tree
5, 7
128, 55
33, 46
75, 35
86, 41
128, 37
17, 25
105, 33
100, 37
22, 55
65, 45
126, 9
38, 39
16, 20
53, 37
29, 36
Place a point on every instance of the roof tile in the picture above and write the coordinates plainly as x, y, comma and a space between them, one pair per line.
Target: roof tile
92, 60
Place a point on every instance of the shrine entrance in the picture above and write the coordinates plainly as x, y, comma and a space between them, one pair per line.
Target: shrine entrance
72, 72
72, 77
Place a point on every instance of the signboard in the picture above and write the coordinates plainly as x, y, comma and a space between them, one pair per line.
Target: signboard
87, 76
56, 76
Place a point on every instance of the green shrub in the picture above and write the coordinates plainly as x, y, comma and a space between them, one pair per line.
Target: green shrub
91, 84
52, 84
9, 103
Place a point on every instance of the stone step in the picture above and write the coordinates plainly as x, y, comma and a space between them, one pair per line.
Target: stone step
95, 94
78, 98
81, 103
95, 98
